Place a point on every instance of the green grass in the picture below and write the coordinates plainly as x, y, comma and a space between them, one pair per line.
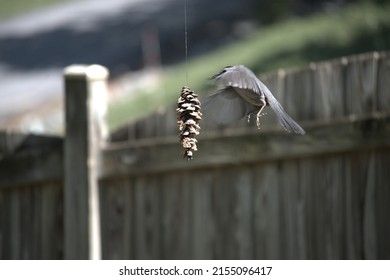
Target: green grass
295, 42
9, 8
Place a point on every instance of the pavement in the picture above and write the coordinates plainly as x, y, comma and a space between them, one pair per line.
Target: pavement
35, 47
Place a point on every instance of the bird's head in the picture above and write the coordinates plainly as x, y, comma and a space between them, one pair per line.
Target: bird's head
220, 73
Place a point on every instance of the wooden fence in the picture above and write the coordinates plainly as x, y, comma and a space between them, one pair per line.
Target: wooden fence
247, 194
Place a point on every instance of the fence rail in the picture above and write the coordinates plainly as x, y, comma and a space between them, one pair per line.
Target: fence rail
349, 87
247, 194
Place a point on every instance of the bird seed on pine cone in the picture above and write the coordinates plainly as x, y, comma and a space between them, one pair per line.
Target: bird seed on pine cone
188, 118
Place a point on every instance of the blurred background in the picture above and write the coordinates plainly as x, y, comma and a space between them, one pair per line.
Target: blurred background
142, 44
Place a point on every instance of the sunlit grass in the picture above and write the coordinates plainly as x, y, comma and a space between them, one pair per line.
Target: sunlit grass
294, 42
9, 8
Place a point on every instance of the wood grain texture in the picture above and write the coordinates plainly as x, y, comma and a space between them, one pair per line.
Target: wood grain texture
31, 222
248, 146
203, 231
85, 109
38, 158
117, 219
176, 216
148, 224
248, 194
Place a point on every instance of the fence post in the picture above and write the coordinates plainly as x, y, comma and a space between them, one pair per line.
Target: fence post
85, 110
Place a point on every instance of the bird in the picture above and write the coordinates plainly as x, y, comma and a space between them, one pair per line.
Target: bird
241, 94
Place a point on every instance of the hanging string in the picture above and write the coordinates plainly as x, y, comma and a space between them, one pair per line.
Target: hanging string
186, 38
188, 108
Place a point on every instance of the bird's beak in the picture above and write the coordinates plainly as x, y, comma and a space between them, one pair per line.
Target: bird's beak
212, 79
218, 74
214, 76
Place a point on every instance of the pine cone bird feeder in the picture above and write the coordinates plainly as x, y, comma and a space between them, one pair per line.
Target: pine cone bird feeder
188, 118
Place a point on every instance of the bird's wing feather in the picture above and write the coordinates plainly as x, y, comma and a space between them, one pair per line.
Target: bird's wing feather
285, 120
243, 78
226, 106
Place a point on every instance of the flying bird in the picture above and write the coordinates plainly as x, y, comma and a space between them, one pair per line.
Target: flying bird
241, 94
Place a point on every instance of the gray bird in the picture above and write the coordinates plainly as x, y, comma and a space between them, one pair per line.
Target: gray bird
241, 93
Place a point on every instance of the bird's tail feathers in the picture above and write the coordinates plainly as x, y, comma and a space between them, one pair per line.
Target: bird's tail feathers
285, 120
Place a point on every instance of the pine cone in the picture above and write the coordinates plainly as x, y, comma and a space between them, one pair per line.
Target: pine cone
188, 118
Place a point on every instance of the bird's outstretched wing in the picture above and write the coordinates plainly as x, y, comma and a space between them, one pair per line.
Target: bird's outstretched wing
239, 76
226, 106
242, 77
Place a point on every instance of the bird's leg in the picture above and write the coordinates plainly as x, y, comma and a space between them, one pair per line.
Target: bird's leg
259, 115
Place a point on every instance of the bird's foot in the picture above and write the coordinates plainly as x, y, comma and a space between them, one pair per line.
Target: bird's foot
258, 119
